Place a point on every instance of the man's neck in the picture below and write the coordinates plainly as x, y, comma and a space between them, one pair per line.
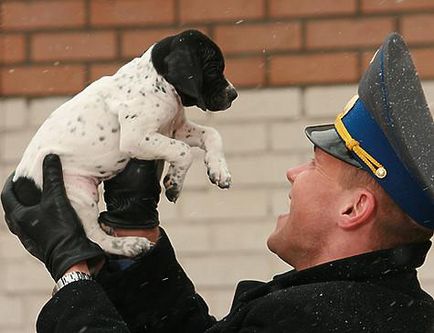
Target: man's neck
338, 248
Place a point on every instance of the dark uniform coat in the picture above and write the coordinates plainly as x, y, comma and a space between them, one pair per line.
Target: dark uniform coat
372, 292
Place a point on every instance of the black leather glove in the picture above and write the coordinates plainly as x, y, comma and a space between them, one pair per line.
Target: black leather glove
50, 230
132, 196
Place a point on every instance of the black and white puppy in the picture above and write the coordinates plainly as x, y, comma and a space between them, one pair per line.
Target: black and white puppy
136, 113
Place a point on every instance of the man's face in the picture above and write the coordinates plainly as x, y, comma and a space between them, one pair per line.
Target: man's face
314, 207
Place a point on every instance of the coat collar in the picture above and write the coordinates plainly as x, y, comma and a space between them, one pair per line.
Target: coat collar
365, 266
373, 265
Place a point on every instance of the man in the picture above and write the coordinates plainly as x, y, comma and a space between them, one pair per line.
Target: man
361, 216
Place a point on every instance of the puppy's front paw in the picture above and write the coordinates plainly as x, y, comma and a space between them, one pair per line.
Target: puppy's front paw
218, 172
172, 188
172, 193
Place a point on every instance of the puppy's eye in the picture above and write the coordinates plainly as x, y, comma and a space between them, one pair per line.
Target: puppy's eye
214, 67
207, 54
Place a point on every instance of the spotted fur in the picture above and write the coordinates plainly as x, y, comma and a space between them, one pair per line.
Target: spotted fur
134, 113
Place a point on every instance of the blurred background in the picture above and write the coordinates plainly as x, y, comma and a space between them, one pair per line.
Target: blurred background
295, 62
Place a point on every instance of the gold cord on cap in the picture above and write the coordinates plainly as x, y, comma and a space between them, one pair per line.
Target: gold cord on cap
377, 169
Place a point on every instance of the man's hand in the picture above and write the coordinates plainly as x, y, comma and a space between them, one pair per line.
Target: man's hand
50, 230
132, 199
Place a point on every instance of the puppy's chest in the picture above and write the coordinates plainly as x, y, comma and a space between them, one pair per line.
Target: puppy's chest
171, 124
163, 114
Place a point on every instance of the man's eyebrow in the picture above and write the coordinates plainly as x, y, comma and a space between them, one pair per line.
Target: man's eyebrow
317, 158
315, 153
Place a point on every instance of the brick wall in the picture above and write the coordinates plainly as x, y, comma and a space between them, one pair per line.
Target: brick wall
296, 61
57, 47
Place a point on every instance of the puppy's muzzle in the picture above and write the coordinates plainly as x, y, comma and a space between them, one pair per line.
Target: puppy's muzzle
231, 93
224, 100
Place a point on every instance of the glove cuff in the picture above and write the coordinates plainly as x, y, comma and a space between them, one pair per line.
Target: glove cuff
146, 222
160, 258
90, 252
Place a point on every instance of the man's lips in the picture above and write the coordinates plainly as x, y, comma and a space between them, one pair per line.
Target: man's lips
281, 218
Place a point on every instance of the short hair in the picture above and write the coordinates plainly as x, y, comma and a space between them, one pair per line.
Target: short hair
393, 225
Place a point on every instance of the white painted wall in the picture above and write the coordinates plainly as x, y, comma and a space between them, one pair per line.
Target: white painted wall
220, 236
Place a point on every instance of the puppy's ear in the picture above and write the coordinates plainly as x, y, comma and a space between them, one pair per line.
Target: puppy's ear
185, 73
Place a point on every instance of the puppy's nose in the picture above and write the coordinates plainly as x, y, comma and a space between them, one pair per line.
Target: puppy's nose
232, 93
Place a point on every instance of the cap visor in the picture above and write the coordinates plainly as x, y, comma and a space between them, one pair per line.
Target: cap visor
326, 138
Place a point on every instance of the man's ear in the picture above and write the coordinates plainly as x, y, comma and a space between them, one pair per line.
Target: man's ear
184, 72
357, 209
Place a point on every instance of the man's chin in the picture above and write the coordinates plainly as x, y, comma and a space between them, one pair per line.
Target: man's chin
271, 243
275, 246
272, 240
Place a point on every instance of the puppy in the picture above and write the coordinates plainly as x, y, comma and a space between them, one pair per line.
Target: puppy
136, 113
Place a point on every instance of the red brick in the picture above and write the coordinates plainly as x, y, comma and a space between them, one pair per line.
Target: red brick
348, 33
258, 37
366, 59
423, 59
418, 28
314, 69
246, 72
42, 80
227, 10
29, 15
311, 8
12, 48
131, 12
99, 70
73, 46
134, 43
387, 6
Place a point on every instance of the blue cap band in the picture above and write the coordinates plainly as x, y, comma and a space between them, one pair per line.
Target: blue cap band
399, 184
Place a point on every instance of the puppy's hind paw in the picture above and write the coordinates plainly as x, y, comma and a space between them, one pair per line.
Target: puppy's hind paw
129, 246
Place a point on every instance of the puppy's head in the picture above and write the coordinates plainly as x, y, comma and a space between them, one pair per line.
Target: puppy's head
194, 65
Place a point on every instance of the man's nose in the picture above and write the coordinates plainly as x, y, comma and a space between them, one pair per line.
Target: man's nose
292, 173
